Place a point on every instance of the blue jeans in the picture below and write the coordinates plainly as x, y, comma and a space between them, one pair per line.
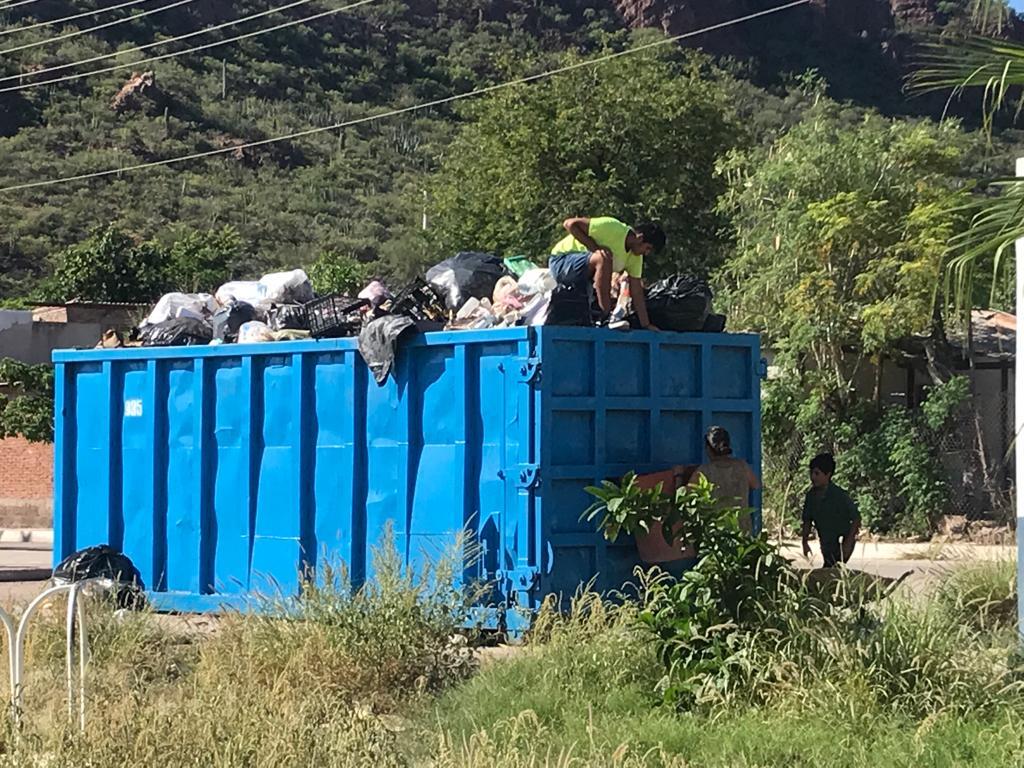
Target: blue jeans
572, 299
571, 270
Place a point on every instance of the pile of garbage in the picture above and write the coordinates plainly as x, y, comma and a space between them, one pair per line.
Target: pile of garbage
468, 291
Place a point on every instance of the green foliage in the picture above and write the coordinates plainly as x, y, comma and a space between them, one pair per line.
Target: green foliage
627, 508
888, 460
336, 273
27, 408
635, 138
110, 265
203, 261
353, 189
841, 230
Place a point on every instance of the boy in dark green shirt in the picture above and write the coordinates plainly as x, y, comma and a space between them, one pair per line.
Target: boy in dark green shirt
831, 511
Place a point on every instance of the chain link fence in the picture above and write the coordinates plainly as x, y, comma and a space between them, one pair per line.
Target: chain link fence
975, 450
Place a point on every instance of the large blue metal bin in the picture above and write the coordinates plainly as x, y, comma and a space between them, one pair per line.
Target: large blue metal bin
225, 471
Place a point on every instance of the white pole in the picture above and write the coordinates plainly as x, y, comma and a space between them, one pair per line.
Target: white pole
1018, 418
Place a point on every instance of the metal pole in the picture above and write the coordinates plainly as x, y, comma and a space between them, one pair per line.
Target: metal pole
1018, 418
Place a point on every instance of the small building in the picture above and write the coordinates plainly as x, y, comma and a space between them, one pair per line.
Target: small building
30, 336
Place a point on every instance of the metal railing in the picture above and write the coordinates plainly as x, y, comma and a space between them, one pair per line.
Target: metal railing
16, 648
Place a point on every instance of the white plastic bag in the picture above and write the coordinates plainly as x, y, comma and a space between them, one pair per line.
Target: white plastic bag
287, 287
537, 282
536, 310
375, 293
249, 291
171, 305
254, 331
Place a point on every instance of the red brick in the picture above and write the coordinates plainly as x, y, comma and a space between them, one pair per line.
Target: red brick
26, 484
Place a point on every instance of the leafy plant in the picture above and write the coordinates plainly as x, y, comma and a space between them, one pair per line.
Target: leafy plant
203, 261
27, 409
110, 265
336, 273
627, 508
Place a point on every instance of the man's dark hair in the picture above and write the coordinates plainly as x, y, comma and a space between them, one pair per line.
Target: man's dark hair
825, 462
717, 439
651, 233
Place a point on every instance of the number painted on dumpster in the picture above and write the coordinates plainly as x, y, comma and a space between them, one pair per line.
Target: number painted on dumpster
133, 408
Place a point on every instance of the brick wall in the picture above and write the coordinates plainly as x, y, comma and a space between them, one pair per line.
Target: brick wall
26, 484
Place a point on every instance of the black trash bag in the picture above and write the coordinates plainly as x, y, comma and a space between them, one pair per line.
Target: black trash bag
466, 275
378, 343
287, 317
228, 319
177, 332
570, 306
105, 562
714, 324
679, 303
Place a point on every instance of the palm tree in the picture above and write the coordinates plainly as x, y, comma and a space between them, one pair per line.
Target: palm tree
995, 67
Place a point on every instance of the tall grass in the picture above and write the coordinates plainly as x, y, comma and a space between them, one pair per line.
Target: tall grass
852, 684
376, 677
321, 680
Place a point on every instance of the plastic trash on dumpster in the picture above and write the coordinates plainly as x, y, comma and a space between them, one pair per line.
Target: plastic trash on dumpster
376, 293
254, 332
248, 291
679, 303
172, 305
378, 343
287, 287
228, 319
178, 332
287, 317
465, 276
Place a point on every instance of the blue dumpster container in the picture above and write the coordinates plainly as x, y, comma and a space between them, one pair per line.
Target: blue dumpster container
225, 471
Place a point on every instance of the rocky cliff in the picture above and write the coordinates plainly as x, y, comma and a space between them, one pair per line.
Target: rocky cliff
861, 47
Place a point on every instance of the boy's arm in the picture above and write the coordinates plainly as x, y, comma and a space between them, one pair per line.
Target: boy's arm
806, 532
579, 227
850, 539
636, 292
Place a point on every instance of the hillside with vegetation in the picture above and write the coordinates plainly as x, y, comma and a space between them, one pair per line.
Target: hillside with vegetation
359, 194
783, 156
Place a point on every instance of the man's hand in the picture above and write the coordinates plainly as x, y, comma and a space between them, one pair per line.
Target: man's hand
849, 542
807, 549
651, 327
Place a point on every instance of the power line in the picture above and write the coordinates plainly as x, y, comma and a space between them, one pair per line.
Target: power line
414, 108
87, 30
157, 43
15, 5
173, 54
96, 12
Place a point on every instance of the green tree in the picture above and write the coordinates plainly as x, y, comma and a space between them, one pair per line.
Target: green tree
202, 261
636, 138
27, 408
841, 231
110, 265
336, 273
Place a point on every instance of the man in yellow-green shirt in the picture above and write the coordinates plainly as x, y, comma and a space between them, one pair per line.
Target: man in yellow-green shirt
596, 247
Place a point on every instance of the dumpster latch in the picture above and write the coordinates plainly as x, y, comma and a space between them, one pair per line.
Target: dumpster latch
527, 476
529, 370
762, 369
522, 579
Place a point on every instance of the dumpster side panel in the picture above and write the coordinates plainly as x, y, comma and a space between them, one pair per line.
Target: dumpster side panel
224, 471
612, 403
